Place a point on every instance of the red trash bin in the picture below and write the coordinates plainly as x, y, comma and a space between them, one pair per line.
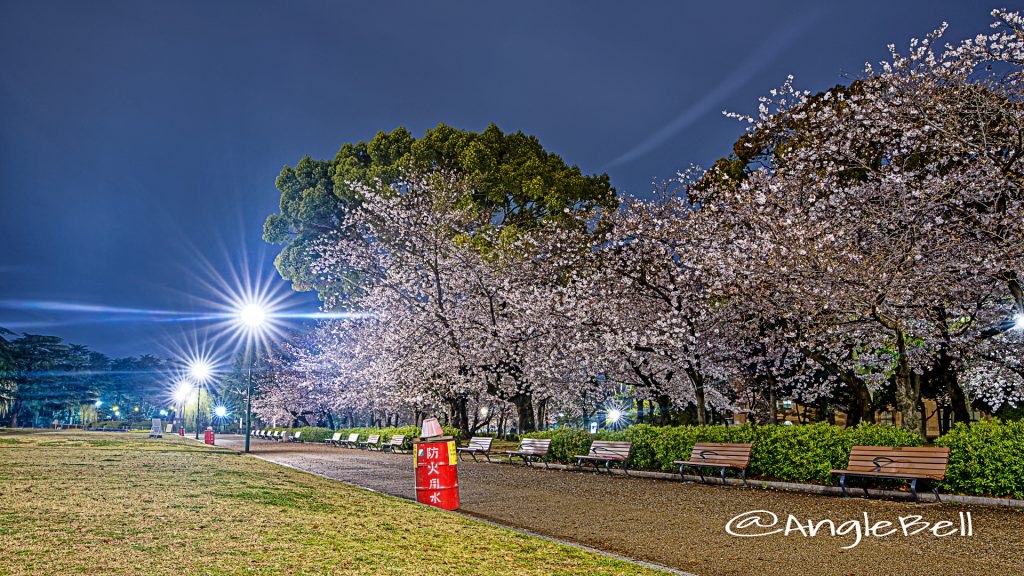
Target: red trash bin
437, 472
208, 437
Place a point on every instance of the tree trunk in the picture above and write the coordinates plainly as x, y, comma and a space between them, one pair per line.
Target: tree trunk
908, 391
524, 409
773, 409
698, 395
960, 404
664, 410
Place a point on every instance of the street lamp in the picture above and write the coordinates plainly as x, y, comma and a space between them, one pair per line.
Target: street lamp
181, 394
200, 371
252, 318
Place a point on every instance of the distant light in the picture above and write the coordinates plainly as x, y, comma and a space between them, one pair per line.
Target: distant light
135, 409
116, 408
483, 410
200, 370
99, 403
1018, 322
163, 412
220, 411
182, 392
252, 315
614, 415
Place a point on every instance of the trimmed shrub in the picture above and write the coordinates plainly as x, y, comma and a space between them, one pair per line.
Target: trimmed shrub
985, 458
802, 453
314, 434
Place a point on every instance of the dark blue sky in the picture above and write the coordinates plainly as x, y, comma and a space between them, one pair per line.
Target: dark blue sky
137, 137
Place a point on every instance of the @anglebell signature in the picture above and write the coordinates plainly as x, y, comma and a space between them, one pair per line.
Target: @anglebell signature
757, 523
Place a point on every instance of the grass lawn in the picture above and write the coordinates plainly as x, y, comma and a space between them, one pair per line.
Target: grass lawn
97, 503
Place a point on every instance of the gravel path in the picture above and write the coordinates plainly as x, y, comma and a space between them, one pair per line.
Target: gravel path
682, 525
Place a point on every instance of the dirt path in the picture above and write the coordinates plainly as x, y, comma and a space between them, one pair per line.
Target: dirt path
682, 525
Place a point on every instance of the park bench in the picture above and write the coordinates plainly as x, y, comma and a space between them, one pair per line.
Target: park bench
371, 442
717, 455
897, 463
297, 437
280, 435
351, 442
333, 439
477, 445
394, 444
532, 450
607, 452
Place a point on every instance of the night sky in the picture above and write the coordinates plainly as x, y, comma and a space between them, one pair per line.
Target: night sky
139, 140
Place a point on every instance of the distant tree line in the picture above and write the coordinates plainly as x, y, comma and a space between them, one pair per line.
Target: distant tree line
43, 378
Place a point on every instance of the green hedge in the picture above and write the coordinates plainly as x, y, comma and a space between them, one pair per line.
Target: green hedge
985, 458
317, 435
803, 453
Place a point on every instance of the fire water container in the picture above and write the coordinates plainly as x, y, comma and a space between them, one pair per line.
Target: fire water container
437, 472
208, 437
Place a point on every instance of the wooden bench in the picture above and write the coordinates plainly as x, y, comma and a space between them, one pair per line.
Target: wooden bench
278, 436
395, 444
297, 437
607, 452
717, 455
371, 442
897, 463
477, 445
352, 441
532, 450
335, 439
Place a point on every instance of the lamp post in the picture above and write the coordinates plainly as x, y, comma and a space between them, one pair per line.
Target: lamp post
181, 394
252, 317
200, 371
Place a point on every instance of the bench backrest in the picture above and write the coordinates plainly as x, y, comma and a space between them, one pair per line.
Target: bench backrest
726, 454
538, 446
920, 461
353, 437
336, 437
396, 440
373, 439
481, 443
619, 450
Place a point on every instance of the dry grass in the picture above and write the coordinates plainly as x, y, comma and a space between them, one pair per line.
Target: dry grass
95, 503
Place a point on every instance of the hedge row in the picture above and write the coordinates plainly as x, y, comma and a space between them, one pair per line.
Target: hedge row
986, 458
317, 435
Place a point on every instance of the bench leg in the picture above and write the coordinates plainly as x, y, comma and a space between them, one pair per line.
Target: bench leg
723, 475
744, 476
488, 457
681, 477
842, 484
935, 490
913, 489
607, 467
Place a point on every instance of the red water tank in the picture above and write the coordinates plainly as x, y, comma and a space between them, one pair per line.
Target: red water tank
181, 431
208, 438
437, 472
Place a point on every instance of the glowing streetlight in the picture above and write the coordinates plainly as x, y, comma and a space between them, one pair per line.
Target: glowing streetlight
252, 317
200, 370
614, 415
1018, 322
182, 392
220, 411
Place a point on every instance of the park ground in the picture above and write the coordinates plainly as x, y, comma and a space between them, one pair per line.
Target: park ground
682, 524
93, 503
